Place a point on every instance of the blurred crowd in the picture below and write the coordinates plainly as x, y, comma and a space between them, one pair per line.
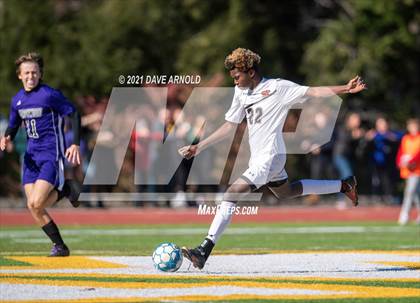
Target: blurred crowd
362, 144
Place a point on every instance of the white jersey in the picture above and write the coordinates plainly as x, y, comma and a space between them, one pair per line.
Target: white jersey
265, 108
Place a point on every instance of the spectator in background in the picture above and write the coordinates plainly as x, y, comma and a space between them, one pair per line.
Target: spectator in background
347, 139
178, 181
320, 157
173, 135
91, 120
384, 147
201, 174
408, 160
140, 145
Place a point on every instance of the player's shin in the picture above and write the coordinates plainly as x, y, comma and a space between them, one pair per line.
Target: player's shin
320, 187
221, 221
51, 230
198, 256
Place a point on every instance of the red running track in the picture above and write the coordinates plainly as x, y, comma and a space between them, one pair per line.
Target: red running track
83, 216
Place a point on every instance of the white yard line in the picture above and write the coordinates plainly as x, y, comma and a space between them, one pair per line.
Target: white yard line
13, 234
42, 292
307, 264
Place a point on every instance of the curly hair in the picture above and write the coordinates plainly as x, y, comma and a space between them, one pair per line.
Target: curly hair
243, 59
30, 57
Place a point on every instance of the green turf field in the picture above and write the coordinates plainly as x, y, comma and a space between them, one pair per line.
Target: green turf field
317, 262
239, 238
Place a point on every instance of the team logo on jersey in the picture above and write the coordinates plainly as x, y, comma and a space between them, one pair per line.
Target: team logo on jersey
30, 113
265, 93
19, 103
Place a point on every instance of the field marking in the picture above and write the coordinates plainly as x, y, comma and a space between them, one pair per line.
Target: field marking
75, 262
412, 265
198, 231
156, 285
173, 294
73, 251
281, 276
206, 277
42, 240
321, 251
298, 263
246, 251
224, 291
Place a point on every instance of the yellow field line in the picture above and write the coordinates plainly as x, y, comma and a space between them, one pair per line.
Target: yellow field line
205, 277
413, 265
61, 263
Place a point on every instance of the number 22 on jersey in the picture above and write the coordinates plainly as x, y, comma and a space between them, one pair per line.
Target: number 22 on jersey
254, 115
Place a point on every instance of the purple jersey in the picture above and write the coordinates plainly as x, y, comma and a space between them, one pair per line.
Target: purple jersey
42, 110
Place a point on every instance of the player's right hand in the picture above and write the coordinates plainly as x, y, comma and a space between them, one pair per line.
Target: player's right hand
3, 142
356, 85
188, 151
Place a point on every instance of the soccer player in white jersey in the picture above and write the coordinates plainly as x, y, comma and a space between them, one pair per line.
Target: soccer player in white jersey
264, 103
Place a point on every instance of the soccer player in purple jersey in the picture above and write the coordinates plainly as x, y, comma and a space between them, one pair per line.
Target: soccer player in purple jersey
41, 108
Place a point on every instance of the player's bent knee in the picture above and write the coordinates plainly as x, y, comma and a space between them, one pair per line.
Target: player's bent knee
35, 204
35, 209
29, 204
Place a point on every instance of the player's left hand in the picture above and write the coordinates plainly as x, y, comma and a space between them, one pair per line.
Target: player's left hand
356, 85
73, 154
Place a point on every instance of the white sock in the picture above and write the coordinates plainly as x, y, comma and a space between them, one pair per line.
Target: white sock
221, 220
320, 187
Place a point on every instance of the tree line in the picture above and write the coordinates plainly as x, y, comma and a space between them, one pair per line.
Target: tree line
88, 44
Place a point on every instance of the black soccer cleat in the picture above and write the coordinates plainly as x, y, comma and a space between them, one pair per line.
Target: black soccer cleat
349, 188
199, 255
196, 256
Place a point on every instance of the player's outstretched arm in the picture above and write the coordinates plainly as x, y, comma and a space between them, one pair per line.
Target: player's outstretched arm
221, 133
355, 85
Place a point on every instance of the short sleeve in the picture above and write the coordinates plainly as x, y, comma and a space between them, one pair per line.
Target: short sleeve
291, 93
236, 112
60, 103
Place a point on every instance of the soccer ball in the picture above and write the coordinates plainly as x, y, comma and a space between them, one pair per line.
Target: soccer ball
167, 257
